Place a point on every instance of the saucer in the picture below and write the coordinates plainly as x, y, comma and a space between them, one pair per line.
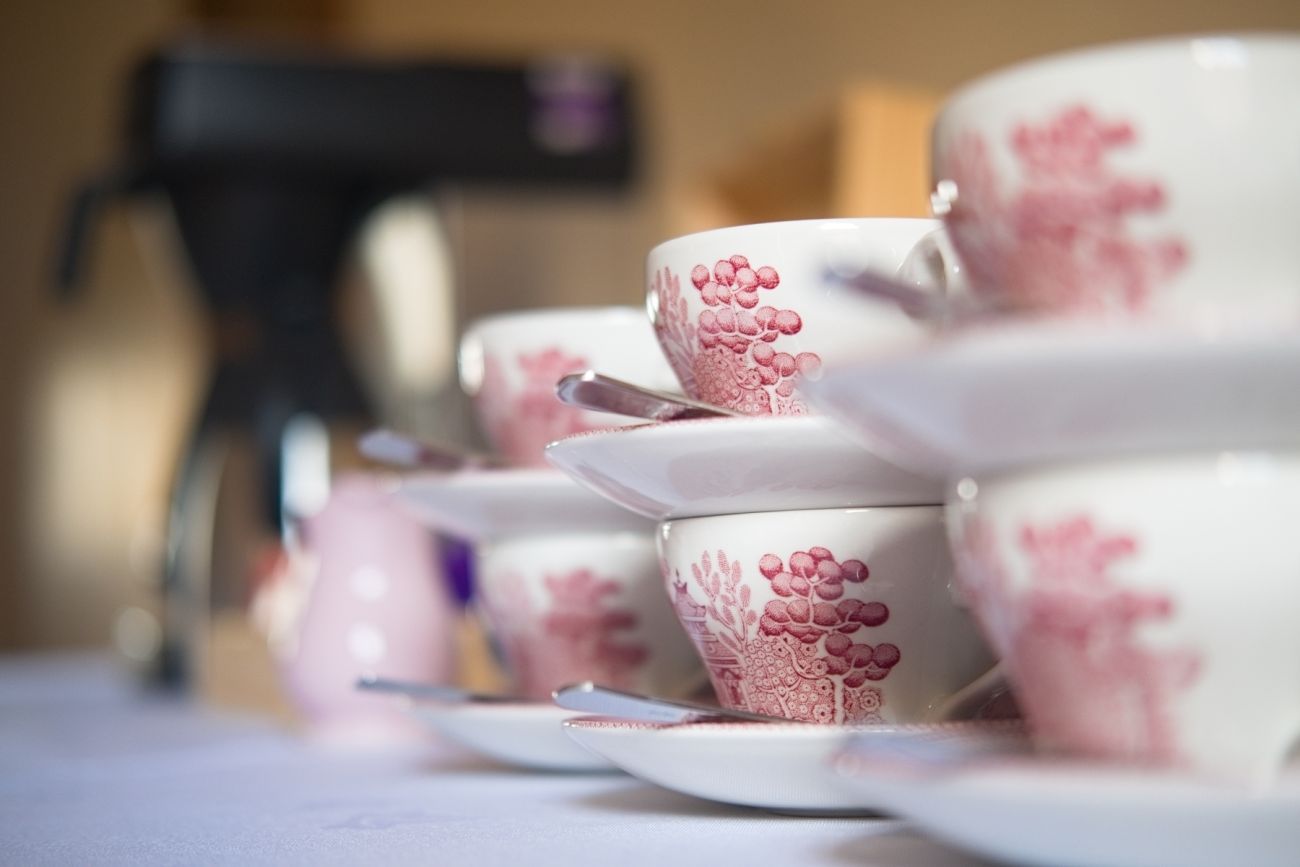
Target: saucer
703, 467
486, 504
780, 767
526, 734
1015, 394
1049, 812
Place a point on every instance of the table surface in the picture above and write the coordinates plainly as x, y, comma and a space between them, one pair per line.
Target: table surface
92, 771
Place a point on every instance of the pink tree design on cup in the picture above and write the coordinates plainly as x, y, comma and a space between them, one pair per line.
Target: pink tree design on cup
1070, 638
728, 356
522, 426
581, 635
1063, 241
796, 658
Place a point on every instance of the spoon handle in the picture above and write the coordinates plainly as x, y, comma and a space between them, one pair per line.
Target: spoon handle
440, 693
390, 447
592, 698
600, 393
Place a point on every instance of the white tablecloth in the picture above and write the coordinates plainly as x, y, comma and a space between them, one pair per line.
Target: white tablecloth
94, 772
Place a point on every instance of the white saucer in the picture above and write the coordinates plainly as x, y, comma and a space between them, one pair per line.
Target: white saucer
1046, 812
1015, 394
687, 469
485, 504
782, 767
527, 734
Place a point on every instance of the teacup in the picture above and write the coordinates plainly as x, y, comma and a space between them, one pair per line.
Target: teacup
1145, 606
1154, 180
510, 362
743, 313
841, 616
583, 606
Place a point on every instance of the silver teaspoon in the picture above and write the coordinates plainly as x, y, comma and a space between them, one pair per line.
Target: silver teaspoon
399, 450
592, 698
595, 391
439, 693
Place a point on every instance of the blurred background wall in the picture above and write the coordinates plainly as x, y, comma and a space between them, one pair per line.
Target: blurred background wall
95, 396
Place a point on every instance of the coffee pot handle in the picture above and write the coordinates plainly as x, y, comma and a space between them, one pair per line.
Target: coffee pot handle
87, 202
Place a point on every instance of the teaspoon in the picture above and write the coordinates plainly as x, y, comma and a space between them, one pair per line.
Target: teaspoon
595, 391
439, 693
589, 697
400, 450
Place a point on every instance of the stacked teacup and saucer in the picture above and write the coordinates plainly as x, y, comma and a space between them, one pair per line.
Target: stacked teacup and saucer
813, 576
1117, 415
567, 584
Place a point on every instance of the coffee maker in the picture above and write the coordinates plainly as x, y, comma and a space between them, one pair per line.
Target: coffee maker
270, 163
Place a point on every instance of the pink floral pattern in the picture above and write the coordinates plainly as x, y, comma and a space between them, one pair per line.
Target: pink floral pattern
522, 422
580, 635
1070, 640
729, 355
795, 657
1063, 240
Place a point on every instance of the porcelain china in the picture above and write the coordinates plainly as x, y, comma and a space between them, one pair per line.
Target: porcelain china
744, 313
1144, 606
525, 734
721, 466
825, 615
578, 606
1016, 394
782, 767
1050, 813
1148, 180
486, 504
510, 362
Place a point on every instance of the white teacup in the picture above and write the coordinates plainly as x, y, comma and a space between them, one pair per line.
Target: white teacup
825, 615
1144, 608
583, 606
1147, 180
743, 313
510, 362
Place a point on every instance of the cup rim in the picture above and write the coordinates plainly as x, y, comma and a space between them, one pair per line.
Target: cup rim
856, 511
738, 229
1171, 463
1030, 68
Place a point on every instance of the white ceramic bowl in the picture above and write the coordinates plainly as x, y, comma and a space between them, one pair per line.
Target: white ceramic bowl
564, 608
1144, 607
1148, 179
824, 615
509, 364
743, 313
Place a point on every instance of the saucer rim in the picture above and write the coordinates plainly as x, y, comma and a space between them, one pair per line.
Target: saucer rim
528, 482
929, 480
999, 343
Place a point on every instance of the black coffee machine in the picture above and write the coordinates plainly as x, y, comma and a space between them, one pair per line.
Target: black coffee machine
271, 163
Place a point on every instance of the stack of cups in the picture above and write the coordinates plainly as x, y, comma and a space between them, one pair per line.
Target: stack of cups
1136, 571
1144, 599
842, 615
573, 596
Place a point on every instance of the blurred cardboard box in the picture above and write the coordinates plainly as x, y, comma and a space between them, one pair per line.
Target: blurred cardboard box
867, 156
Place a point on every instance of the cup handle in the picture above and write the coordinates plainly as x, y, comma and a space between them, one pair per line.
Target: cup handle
933, 265
929, 285
988, 697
